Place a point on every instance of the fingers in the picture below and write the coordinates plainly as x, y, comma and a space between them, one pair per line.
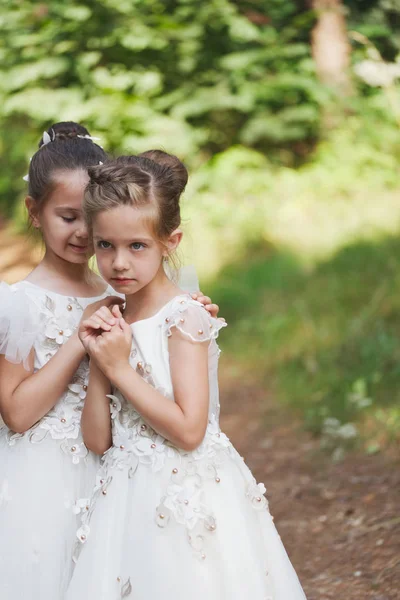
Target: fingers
99, 321
213, 309
106, 314
116, 311
203, 299
200, 297
103, 318
126, 329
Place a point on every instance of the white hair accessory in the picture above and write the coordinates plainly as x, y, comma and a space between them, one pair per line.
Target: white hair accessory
46, 138
89, 137
26, 177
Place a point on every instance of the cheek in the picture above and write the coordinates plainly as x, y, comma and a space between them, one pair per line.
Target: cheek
151, 263
53, 230
101, 261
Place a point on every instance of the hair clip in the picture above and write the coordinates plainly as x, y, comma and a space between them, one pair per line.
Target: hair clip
89, 137
26, 178
46, 138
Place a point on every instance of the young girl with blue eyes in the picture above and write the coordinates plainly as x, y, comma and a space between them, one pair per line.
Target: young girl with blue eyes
175, 513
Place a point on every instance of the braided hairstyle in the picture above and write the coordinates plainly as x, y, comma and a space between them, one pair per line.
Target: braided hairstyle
64, 147
154, 178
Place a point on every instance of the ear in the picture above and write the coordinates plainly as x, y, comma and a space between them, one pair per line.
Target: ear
33, 212
173, 242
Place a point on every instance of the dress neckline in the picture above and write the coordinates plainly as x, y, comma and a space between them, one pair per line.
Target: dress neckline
47, 291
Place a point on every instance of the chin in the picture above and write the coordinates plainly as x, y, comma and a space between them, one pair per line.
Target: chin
77, 259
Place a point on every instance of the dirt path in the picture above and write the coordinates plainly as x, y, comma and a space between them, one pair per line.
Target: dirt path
340, 523
17, 256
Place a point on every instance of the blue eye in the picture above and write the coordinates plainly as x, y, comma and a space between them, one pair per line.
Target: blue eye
68, 219
138, 245
103, 245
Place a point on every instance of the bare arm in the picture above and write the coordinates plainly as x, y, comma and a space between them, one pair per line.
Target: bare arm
25, 397
96, 421
182, 422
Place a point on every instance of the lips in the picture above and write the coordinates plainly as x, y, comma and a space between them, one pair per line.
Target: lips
122, 280
79, 248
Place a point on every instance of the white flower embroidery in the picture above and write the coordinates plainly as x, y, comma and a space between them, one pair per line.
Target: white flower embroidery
126, 588
151, 451
75, 450
80, 505
115, 405
82, 533
66, 424
78, 390
255, 492
186, 503
58, 331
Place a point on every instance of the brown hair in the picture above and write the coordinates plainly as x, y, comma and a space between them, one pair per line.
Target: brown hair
153, 178
68, 149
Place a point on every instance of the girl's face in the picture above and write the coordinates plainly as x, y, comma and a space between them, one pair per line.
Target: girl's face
61, 219
128, 255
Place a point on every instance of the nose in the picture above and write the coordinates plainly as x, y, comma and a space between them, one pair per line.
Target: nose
82, 232
120, 262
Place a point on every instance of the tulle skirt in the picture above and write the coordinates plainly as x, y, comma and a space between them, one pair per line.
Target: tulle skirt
39, 485
152, 535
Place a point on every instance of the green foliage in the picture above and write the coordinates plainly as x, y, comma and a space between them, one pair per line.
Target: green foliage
328, 340
309, 277
347, 190
379, 21
197, 78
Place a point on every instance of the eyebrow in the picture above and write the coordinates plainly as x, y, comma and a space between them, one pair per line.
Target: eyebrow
138, 238
75, 210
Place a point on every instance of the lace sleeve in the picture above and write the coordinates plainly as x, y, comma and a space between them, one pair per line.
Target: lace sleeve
193, 321
19, 324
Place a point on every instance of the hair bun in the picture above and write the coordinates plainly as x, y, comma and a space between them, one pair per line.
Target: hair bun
107, 173
65, 130
171, 161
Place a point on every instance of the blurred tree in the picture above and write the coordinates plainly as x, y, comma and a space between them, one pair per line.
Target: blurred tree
331, 47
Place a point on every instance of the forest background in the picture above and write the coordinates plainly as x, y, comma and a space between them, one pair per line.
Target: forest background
287, 114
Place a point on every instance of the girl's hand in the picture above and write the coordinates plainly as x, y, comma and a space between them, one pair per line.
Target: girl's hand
111, 349
108, 302
101, 320
213, 309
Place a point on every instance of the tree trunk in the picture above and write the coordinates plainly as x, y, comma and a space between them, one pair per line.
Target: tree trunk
330, 45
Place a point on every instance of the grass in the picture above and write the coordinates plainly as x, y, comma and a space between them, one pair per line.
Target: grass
326, 340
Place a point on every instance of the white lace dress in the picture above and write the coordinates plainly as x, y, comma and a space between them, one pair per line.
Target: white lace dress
167, 523
45, 470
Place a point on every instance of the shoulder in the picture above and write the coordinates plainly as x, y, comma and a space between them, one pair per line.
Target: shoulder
13, 295
20, 322
191, 319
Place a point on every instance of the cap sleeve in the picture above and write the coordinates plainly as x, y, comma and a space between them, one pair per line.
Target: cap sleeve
192, 320
19, 324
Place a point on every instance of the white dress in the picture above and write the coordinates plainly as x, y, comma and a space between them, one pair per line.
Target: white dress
167, 523
46, 469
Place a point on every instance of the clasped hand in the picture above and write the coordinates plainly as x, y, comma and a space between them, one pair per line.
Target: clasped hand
107, 338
